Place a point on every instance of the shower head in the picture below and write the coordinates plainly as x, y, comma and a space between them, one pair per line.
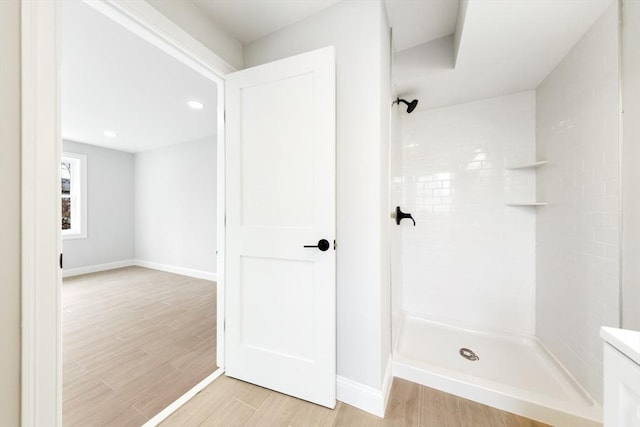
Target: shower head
410, 105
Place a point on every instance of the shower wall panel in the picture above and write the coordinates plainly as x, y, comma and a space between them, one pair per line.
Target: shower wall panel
578, 232
470, 260
630, 169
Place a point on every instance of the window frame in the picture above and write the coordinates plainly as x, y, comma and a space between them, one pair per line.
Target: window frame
78, 195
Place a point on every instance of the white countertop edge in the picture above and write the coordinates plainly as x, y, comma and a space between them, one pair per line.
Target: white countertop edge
625, 341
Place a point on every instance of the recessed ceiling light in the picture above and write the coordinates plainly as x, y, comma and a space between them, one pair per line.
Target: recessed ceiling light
196, 105
110, 134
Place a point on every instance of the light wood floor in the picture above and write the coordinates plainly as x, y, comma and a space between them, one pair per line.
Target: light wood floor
228, 402
134, 340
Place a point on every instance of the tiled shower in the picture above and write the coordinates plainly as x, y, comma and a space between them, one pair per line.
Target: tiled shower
517, 237
457, 186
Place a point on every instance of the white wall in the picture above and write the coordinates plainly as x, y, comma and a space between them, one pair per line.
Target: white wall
470, 260
175, 206
10, 214
110, 207
157, 207
630, 169
354, 28
578, 233
192, 19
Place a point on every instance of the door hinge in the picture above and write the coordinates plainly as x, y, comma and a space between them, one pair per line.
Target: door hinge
60, 260
334, 245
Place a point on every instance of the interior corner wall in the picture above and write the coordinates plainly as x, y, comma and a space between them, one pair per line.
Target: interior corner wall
110, 209
384, 105
578, 232
193, 20
396, 231
630, 170
10, 214
175, 207
354, 28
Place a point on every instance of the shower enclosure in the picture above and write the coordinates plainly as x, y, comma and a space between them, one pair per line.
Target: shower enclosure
500, 289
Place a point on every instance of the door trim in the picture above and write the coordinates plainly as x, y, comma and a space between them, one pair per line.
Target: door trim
41, 240
41, 144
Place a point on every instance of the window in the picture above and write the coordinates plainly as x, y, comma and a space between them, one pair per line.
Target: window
73, 175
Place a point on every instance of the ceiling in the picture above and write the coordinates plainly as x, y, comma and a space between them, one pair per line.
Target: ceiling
112, 80
506, 46
413, 21
249, 20
419, 21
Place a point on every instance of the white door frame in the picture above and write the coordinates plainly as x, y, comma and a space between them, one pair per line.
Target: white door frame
41, 370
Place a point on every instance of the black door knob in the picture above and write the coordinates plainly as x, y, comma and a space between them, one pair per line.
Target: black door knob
323, 245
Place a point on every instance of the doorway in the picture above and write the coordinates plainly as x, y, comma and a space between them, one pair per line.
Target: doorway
138, 223
138, 200
42, 143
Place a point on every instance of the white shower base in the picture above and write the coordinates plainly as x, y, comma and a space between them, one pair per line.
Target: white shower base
514, 374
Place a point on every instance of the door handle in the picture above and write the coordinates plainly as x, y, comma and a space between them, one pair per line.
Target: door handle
323, 245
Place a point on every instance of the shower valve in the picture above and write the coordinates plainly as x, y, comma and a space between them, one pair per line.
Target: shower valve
402, 215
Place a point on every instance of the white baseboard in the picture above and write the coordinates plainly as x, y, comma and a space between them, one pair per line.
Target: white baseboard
364, 397
69, 272
198, 274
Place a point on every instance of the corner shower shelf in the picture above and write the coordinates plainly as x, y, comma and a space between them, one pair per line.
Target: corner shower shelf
526, 204
528, 165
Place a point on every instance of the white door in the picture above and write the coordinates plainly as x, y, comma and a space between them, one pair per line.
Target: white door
280, 192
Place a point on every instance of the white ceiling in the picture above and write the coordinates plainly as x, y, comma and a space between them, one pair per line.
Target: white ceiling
413, 21
419, 21
113, 80
249, 20
506, 46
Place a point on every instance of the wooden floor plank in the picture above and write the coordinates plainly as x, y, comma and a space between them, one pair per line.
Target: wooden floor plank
250, 394
134, 340
403, 408
281, 410
129, 418
348, 416
494, 416
438, 409
215, 401
232, 413
205, 404
158, 390
472, 414
513, 420
230, 402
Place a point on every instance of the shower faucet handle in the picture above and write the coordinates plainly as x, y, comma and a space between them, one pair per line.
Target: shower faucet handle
402, 215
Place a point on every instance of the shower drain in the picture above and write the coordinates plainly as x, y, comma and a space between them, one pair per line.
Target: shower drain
468, 354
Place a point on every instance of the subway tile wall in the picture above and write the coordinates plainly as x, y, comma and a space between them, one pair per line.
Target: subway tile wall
470, 260
577, 233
